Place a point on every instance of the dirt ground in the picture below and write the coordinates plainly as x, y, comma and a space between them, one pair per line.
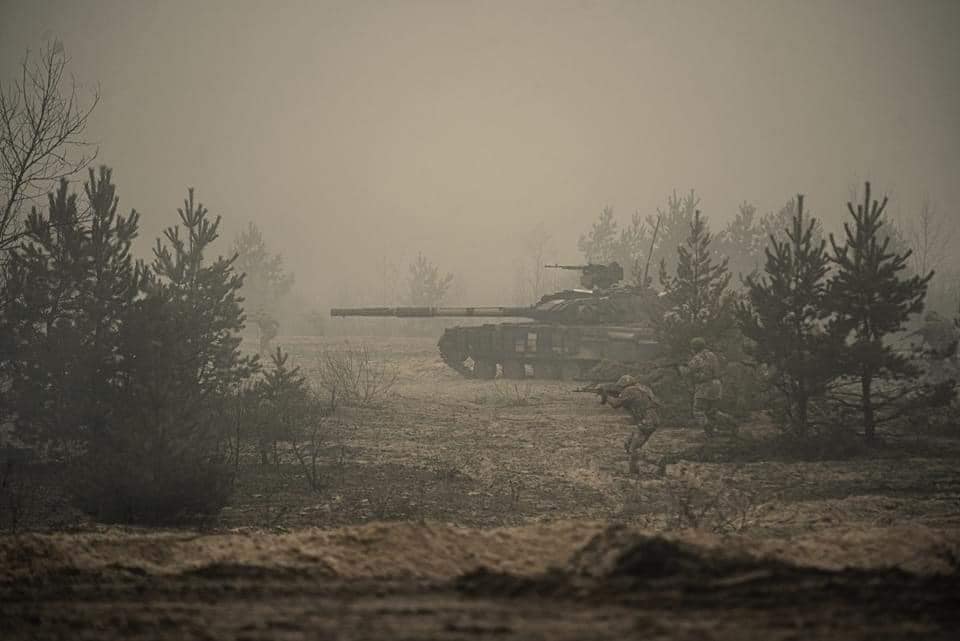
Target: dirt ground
463, 509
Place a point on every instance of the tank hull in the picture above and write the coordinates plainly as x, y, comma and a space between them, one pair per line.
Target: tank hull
543, 350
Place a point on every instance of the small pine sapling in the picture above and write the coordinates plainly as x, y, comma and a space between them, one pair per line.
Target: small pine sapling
870, 300
696, 295
785, 317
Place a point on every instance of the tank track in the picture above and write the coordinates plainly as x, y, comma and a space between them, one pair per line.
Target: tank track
453, 357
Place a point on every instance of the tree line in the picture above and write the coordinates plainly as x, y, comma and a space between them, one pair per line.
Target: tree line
816, 315
131, 371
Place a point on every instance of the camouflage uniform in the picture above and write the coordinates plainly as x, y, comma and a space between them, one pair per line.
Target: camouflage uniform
705, 368
939, 335
641, 402
939, 346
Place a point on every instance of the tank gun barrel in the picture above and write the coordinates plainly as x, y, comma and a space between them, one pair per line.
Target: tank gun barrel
435, 312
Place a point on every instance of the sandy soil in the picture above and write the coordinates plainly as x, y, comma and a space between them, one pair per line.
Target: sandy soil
566, 580
464, 509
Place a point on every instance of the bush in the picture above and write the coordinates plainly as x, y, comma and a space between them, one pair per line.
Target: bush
14, 493
503, 394
351, 376
150, 485
289, 411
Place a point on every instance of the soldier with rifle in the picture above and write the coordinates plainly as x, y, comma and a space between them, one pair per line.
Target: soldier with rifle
641, 402
704, 368
604, 390
938, 335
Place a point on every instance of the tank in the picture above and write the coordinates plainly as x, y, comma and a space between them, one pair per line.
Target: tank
564, 335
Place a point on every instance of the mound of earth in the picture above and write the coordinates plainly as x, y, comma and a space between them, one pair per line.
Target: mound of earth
439, 551
562, 580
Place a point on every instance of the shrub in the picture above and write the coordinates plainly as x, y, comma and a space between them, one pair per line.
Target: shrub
289, 411
14, 493
503, 394
350, 375
124, 484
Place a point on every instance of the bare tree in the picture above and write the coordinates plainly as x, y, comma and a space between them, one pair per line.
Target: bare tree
428, 286
673, 227
929, 235
42, 126
388, 275
533, 279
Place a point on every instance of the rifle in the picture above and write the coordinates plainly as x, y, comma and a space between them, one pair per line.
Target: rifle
603, 390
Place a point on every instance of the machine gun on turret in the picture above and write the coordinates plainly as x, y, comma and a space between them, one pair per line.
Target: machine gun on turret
594, 276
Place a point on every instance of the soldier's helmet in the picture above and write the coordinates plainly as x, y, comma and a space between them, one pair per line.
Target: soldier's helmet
625, 381
697, 344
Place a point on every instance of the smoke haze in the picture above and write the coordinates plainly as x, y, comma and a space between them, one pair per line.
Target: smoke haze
350, 131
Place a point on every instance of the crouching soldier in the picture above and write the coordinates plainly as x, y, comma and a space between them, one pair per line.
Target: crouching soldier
642, 403
939, 336
704, 367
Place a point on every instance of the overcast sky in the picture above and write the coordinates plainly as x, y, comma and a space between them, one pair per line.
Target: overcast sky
350, 130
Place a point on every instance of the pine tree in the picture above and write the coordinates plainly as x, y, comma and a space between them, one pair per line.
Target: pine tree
127, 366
198, 302
599, 244
287, 405
870, 300
181, 363
608, 242
68, 286
265, 281
673, 227
427, 287
43, 345
785, 316
777, 224
112, 285
742, 242
697, 298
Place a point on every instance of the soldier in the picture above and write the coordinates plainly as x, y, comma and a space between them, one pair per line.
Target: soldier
642, 404
939, 347
704, 366
938, 335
